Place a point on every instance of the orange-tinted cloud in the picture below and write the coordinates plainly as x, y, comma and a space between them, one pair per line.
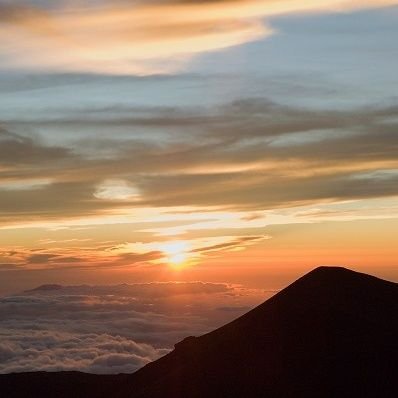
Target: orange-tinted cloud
140, 38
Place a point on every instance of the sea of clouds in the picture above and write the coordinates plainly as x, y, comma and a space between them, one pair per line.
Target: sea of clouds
111, 329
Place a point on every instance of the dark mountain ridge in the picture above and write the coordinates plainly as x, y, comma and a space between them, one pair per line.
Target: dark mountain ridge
332, 333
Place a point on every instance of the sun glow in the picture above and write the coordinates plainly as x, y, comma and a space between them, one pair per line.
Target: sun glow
176, 253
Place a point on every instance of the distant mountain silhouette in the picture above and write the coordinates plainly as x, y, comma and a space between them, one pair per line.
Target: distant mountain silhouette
332, 333
45, 288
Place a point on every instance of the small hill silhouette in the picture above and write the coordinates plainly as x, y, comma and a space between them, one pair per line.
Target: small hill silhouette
332, 333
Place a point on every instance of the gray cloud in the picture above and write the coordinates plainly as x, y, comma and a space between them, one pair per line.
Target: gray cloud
229, 245
22, 150
72, 258
41, 258
262, 191
248, 154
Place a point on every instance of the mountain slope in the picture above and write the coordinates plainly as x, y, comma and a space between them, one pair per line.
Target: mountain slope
332, 333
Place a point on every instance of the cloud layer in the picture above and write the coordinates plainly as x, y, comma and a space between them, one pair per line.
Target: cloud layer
110, 329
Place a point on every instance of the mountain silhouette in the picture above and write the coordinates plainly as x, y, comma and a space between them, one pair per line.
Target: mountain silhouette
332, 333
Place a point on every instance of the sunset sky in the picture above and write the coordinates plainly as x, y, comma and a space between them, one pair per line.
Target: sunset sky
167, 165
234, 142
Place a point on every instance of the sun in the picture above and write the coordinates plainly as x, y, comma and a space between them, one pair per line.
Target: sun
176, 253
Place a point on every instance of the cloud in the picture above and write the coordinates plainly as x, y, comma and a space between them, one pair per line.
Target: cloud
141, 38
250, 155
263, 155
41, 258
234, 244
24, 351
110, 329
124, 255
15, 148
74, 257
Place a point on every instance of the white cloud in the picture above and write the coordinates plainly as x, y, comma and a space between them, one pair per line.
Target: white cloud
27, 350
116, 190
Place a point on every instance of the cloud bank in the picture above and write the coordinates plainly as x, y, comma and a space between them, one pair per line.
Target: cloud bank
110, 329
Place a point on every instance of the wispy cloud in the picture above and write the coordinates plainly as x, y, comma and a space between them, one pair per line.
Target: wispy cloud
122, 255
251, 155
139, 38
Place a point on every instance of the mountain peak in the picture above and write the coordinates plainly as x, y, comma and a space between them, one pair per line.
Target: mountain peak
326, 277
331, 269
336, 288
334, 271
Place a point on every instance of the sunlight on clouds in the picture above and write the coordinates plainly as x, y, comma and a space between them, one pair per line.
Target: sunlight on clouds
175, 253
201, 239
191, 251
139, 38
116, 190
24, 185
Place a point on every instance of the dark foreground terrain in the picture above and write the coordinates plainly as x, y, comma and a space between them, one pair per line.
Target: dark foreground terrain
332, 333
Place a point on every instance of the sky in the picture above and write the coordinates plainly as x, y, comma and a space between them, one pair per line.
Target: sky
226, 144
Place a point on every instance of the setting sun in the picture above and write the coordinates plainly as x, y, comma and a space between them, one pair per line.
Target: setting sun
176, 252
